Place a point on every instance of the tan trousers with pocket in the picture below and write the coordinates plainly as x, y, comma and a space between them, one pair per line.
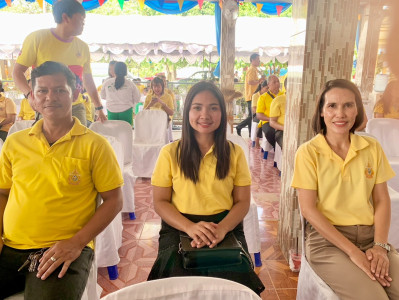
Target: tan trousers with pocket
346, 279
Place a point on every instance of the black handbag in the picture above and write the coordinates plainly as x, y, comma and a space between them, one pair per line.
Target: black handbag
228, 252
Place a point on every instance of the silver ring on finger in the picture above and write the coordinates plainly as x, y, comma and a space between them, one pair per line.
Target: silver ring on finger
53, 259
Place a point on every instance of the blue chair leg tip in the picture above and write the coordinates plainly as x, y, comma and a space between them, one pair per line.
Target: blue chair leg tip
265, 154
132, 216
275, 165
253, 144
258, 260
113, 272
261, 150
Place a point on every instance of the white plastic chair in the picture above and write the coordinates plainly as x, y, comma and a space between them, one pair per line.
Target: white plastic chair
310, 285
150, 135
183, 288
386, 131
266, 146
20, 125
123, 132
278, 154
251, 221
393, 237
1, 144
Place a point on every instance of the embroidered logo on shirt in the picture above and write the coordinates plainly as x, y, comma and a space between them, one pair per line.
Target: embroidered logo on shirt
369, 171
74, 178
78, 54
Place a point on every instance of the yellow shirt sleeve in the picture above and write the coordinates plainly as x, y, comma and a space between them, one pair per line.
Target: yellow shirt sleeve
379, 108
243, 175
28, 54
162, 175
384, 171
305, 174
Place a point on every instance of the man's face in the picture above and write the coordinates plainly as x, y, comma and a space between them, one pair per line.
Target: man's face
274, 84
256, 61
52, 97
76, 23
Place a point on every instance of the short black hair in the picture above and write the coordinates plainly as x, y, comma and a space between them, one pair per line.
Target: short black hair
68, 7
253, 56
50, 68
1, 87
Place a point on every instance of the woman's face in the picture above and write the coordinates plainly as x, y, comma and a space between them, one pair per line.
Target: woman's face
111, 70
157, 89
205, 113
264, 89
339, 110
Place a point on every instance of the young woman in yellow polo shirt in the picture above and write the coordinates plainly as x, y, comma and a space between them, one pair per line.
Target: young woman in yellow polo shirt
201, 186
341, 182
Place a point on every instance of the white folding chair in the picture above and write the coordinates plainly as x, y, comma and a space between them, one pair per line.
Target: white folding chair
20, 125
183, 288
278, 154
393, 237
251, 221
123, 132
386, 131
150, 135
310, 285
266, 146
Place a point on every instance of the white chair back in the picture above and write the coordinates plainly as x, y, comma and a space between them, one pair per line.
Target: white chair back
238, 140
182, 288
20, 125
393, 237
1, 144
121, 130
150, 127
387, 133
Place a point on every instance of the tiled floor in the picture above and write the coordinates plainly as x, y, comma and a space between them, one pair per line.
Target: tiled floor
140, 237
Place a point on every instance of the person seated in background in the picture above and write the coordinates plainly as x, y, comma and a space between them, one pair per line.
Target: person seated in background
260, 90
26, 111
341, 180
263, 108
202, 187
50, 176
388, 105
158, 99
8, 113
277, 116
121, 95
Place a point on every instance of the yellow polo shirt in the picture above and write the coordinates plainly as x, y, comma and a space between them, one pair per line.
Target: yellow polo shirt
210, 195
53, 189
251, 75
343, 187
277, 109
264, 103
26, 112
164, 98
392, 113
7, 107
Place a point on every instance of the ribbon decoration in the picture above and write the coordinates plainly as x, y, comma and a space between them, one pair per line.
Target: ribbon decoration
121, 2
141, 3
259, 7
101, 2
279, 8
180, 3
200, 2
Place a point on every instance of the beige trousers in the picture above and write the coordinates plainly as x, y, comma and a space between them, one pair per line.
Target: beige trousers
346, 279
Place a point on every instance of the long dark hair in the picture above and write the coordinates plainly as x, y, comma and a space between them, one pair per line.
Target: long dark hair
318, 124
260, 86
157, 80
120, 73
188, 152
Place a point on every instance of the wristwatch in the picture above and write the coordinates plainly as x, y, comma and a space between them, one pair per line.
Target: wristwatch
99, 107
382, 245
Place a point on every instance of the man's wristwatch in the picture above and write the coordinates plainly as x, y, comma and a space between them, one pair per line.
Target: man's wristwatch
382, 245
99, 107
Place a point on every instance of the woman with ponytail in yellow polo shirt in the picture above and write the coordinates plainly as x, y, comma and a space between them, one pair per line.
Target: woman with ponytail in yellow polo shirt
201, 186
341, 182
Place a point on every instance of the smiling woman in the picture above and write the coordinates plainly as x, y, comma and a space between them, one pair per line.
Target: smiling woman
336, 174
201, 187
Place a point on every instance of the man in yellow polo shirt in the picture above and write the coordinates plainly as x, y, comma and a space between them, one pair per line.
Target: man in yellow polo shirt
277, 116
50, 176
61, 44
263, 107
252, 81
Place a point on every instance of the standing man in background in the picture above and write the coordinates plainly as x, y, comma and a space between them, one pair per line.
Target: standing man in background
252, 81
61, 44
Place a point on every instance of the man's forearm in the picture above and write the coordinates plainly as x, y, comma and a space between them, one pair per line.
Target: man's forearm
19, 78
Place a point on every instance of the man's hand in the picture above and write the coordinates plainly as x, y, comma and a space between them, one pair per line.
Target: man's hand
63, 252
101, 116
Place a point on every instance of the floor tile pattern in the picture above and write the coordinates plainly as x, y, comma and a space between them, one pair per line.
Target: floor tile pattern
140, 236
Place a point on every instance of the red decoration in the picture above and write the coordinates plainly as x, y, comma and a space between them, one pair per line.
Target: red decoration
8, 2
200, 2
279, 8
101, 2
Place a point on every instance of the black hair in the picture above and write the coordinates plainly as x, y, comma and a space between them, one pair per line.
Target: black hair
68, 7
253, 56
1, 87
120, 73
50, 68
157, 80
